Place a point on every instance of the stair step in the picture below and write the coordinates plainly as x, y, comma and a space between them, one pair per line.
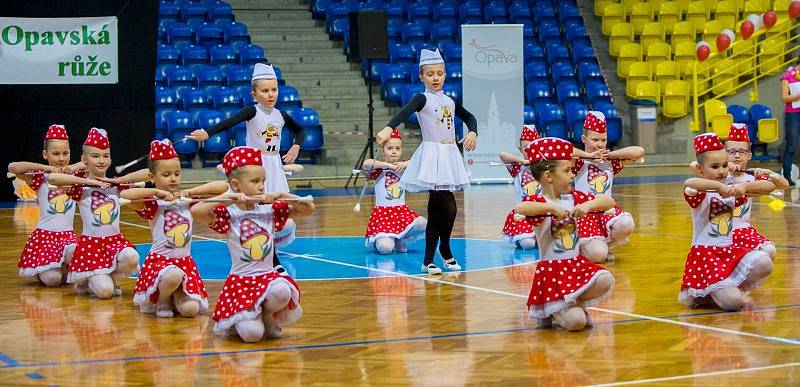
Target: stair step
284, 27
316, 67
299, 57
311, 82
290, 37
242, 5
331, 51
335, 92
293, 45
249, 16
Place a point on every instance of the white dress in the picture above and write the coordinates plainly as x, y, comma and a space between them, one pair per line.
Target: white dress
264, 133
437, 163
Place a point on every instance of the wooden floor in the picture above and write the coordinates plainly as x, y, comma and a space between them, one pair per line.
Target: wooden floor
453, 330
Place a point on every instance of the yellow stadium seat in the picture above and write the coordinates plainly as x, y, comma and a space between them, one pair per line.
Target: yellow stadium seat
658, 52
639, 72
685, 53
727, 13
628, 4
670, 14
684, 4
641, 14
712, 108
653, 32
725, 78
711, 5
768, 130
599, 6
676, 99
744, 56
656, 4
771, 59
721, 125
683, 32
628, 55
755, 6
613, 14
702, 76
666, 72
712, 29
697, 14
648, 90
781, 8
621, 34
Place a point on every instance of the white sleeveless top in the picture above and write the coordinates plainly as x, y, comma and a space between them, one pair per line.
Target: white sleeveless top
712, 218
170, 226
56, 208
437, 118
596, 177
558, 238
524, 183
387, 188
250, 235
99, 208
264, 130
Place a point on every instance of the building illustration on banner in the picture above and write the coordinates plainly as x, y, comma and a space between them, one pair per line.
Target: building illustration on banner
500, 129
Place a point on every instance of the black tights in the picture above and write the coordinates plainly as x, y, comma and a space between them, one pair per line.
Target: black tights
275, 260
441, 217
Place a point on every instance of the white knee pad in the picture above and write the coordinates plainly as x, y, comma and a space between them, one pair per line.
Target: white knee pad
596, 250
769, 248
384, 245
250, 331
279, 295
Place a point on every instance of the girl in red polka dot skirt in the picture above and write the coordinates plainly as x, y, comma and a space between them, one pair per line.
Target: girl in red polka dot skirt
738, 148
169, 280
565, 282
103, 255
392, 225
717, 271
50, 246
517, 230
255, 298
594, 173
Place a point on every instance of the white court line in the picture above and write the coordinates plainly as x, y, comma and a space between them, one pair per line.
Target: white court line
422, 277
701, 375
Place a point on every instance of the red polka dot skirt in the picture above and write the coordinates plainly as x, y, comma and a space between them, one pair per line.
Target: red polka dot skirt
748, 238
558, 283
146, 289
517, 229
393, 222
242, 298
95, 255
710, 268
44, 251
594, 226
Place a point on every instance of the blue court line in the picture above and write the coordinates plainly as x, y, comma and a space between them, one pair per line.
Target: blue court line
15, 364
10, 362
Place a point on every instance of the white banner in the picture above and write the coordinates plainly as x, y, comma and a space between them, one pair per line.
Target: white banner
494, 87
58, 50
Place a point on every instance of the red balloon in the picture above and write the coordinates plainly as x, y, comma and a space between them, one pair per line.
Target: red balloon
747, 29
703, 52
769, 18
794, 9
723, 42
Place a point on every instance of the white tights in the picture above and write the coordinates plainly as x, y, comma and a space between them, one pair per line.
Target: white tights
102, 286
278, 297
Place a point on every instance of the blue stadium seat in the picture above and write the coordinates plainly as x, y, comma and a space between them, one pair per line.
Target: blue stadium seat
589, 70
180, 34
217, 144
179, 77
162, 34
445, 11
251, 54
167, 54
401, 53
454, 71
166, 98
757, 112
193, 55
238, 76
371, 5
394, 30
220, 11
550, 120
318, 8
223, 55
520, 13
193, 14
195, 100
245, 92
187, 148
597, 91
562, 71
529, 115
337, 19
236, 34
576, 33
533, 52
543, 11
568, 11
494, 12
612, 120
549, 32
568, 91
287, 139
538, 92
209, 36
178, 120
167, 11
225, 96
556, 52
414, 34
210, 76
576, 114
239, 134
470, 12
395, 11
451, 52
444, 30
419, 12
393, 78
536, 71
408, 91
453, 89
741, 115
288, 99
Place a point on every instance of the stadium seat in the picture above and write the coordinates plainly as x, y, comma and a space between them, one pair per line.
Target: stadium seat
556, 52
288, 99
757, 7
725, 78
470, 12
676, 99
180, 35
568, 91
193, 55
543, 12
445, 11
225, 97
629, 54
217, 144
251, 54
621, 34
419, 11
741, 115
166, 98
180, 76
669, 15
494, 12
712, 29
520, 13
612, 14
167, 54
562, 71
697, 14
529, 115
236, 34
414, 34
589, 70
648, 91
210, 76
223, 56
657, 53
238, 76
195, 100
766, 126
209, 36
771, 59
538, 92
220, 11
550, 120
639, 72
167, 12
454, 90
444, 31
685, 53
683, 32
716, 111
597, 91
392, 79
454, 71
666, 72
652, 32
401, 53
193, 13
578, 35
582, 52
641, 14
576, 114
744, 56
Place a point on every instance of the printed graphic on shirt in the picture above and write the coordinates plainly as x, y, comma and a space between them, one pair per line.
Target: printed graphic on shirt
529, 185
59, 202
104, 209
445, 116
176, 228
392, 184
742, 210
565, 234
255, 241
720, 215
599, 181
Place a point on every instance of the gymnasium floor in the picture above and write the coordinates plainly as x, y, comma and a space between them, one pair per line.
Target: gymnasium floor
373, 320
